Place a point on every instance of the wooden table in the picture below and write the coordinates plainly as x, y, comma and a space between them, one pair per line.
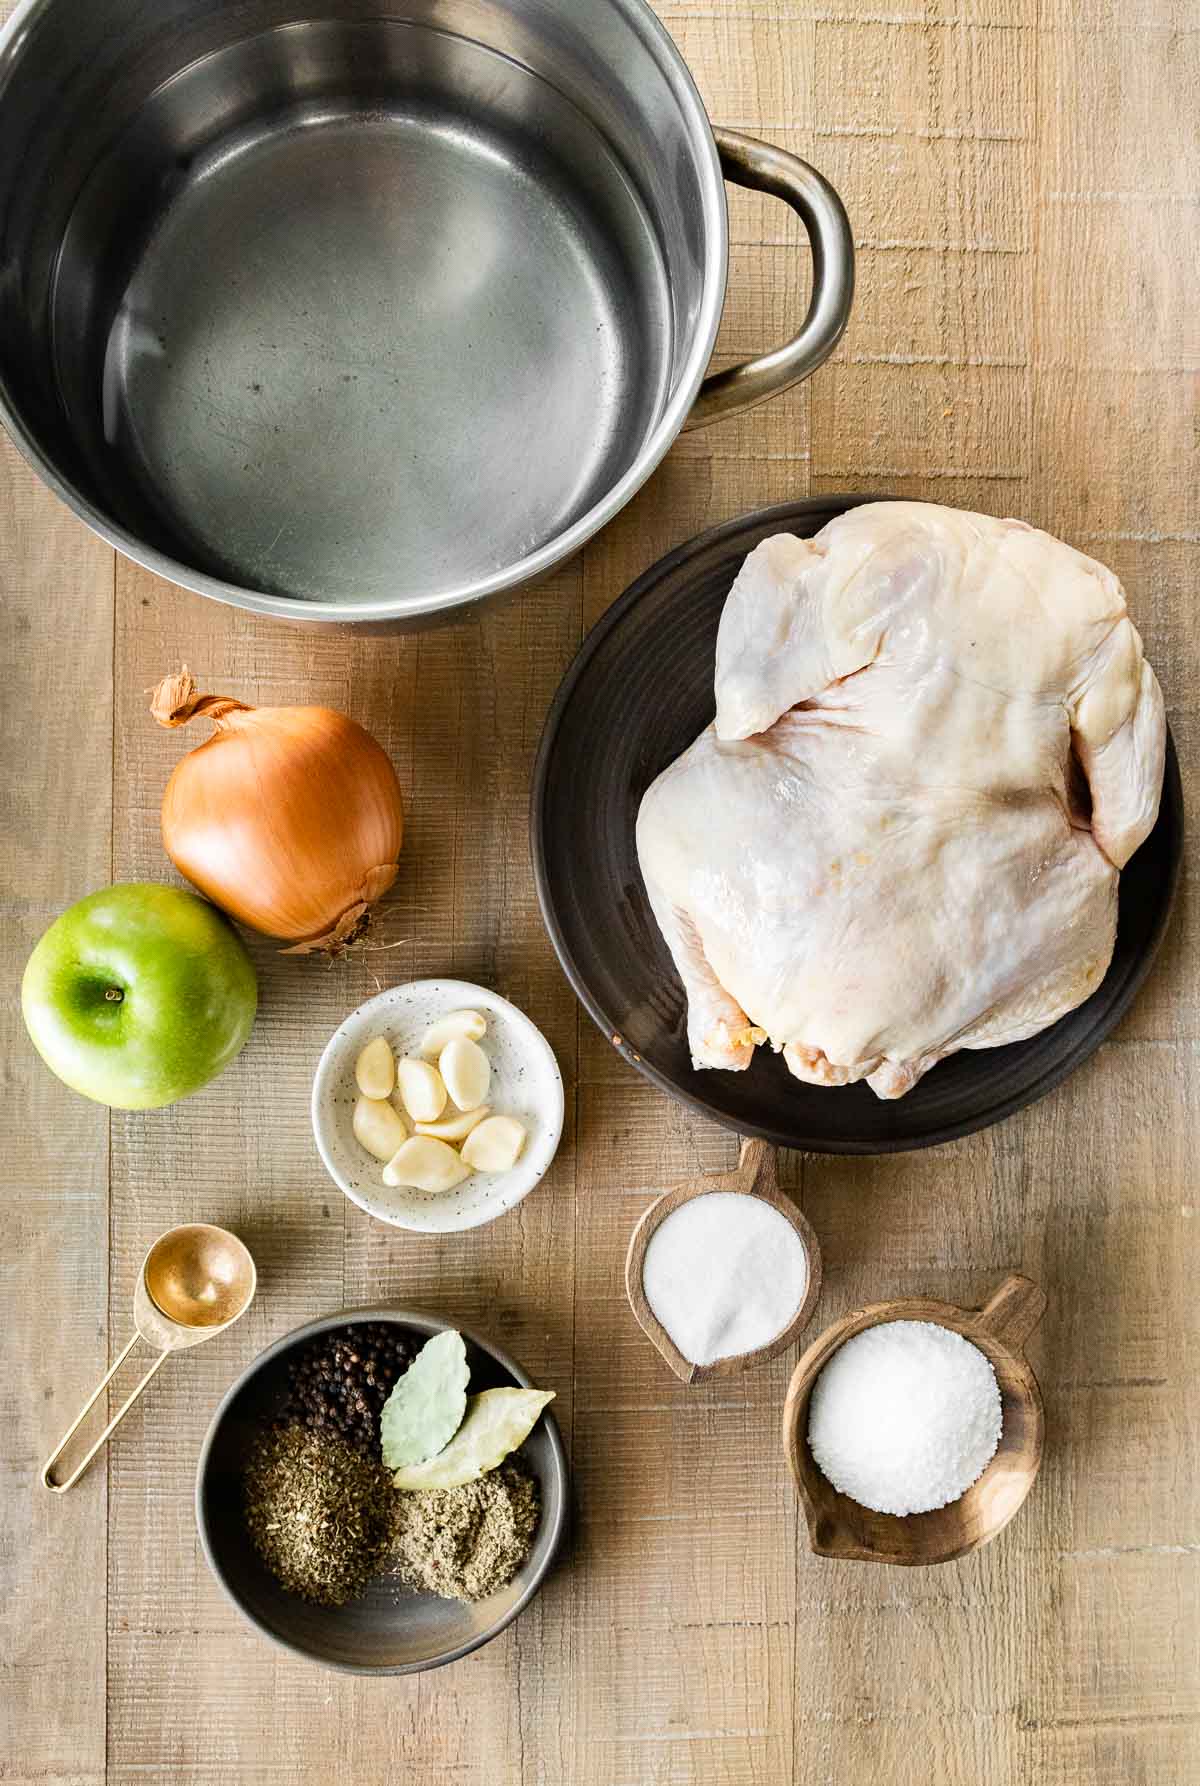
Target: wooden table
1023, 182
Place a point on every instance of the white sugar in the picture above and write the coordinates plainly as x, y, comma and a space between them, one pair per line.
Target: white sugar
724, 1274
905, 1417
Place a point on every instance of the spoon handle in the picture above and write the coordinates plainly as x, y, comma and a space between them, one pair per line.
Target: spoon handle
48, 1478
757, 1167
1013, 1311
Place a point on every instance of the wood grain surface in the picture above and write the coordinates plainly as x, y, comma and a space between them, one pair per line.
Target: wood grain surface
1023, 178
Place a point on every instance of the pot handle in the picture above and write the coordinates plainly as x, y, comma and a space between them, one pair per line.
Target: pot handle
745, 161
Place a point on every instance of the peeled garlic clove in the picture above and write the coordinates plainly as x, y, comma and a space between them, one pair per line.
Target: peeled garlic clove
466, 1072
375, 1069
494, 1145
426, 1164
379, 1127
454, 1023
457, 1127
422, 1089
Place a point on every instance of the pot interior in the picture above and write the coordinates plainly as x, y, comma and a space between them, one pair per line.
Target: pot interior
344, 309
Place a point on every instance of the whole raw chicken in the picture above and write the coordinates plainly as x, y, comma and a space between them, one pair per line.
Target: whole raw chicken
936, 743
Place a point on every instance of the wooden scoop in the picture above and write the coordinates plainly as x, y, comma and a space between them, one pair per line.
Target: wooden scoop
840, 1527
755, 1175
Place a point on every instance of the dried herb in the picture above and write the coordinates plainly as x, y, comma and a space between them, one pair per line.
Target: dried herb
468, 1542
319, 1513
496, 1422
425, 1409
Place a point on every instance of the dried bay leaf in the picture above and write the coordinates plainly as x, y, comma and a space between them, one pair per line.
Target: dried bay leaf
426, 1407
496, 1422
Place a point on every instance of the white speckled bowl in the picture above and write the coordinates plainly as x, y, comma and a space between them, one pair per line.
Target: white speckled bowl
526, 1083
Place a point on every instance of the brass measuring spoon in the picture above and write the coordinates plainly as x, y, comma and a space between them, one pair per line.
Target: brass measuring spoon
195, 1281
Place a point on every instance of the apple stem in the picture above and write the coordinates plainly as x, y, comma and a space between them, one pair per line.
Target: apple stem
114, 995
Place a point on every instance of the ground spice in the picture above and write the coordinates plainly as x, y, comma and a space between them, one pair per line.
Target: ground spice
319, 1513
340, 1382
468, 1542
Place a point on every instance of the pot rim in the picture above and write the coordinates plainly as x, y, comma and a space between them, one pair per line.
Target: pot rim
640, 18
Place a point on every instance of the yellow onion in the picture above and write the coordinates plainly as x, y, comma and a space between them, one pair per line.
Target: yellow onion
288, 818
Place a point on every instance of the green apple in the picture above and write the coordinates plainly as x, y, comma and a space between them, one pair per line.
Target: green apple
139, 995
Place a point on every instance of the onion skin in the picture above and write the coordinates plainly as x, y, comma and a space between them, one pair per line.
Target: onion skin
288, 818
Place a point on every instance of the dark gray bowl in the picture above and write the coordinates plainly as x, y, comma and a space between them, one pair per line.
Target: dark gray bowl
390, 1630
643, 682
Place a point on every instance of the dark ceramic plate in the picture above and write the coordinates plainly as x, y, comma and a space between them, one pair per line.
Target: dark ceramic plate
390, 1630
639, 691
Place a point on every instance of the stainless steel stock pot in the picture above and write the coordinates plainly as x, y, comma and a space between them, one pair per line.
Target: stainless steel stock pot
341, 316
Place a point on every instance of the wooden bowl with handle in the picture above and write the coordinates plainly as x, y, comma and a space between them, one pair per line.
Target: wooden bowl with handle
755, 1175
840, 1527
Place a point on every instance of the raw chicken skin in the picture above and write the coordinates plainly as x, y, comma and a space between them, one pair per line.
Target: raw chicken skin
936, 743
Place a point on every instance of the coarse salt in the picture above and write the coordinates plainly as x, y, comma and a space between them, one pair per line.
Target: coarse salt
724, 1273
905, 1417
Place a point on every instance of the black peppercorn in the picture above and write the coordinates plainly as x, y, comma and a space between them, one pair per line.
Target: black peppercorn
341, 1380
